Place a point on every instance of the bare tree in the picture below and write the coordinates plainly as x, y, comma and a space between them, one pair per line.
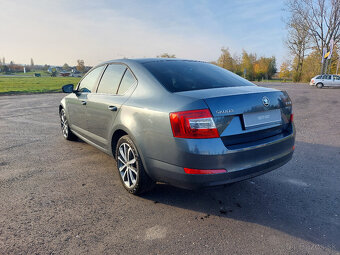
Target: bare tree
298, 42
322, 17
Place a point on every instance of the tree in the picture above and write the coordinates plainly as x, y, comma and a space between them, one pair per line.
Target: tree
5, 69
285, 70
298, 41
80, 65
45, 68
66, 67
247, 65
322, 20
226, 61
264, 68
166, 55
311, 66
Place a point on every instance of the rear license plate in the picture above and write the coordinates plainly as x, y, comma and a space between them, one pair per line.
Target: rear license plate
258, 119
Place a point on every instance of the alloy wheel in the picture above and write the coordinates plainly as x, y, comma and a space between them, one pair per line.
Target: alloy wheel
127, 165
64, 123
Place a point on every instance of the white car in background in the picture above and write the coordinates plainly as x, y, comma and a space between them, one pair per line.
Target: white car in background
327, 80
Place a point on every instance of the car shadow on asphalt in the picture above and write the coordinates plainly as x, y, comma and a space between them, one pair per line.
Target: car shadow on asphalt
300, 199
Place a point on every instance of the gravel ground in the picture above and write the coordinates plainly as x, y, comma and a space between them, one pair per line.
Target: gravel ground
60, 197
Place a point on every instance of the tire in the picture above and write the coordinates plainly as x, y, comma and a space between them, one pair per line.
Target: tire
319, 85
132, 175
65, 129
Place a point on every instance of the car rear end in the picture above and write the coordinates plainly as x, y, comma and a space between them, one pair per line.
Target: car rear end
241, 132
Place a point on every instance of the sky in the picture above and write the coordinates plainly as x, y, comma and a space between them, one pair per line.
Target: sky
62, 31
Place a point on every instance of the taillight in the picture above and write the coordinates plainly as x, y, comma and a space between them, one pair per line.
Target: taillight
312, 80
292, 117
193, 124
204, 171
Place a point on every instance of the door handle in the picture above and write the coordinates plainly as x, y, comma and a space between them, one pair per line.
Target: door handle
83, 102
112, 108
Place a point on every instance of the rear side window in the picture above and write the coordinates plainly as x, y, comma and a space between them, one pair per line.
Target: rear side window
127, 82
90, 80
177, 75
111, 79
318, 77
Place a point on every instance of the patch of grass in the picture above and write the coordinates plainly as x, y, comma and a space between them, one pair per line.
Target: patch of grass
12, 85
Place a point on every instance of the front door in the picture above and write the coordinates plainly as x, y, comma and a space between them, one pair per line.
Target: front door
77, 104
104, 105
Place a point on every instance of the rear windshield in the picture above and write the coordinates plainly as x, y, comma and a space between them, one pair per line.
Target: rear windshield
178, 76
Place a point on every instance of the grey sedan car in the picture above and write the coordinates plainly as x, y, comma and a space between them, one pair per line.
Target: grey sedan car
187, 123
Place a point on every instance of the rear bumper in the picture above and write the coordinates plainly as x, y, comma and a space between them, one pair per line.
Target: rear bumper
240, 164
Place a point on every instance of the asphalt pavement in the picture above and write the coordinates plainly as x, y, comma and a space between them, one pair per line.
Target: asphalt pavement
61, 197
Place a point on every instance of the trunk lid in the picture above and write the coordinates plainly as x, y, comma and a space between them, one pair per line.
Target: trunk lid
241, 114
239, 100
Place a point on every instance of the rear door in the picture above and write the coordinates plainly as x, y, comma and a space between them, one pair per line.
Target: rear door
77, 104
103, 106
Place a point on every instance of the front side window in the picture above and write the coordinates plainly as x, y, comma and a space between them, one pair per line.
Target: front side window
127, 82
336, 77
90, 80
178, 76
111, 79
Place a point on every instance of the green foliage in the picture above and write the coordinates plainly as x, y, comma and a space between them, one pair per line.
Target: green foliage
10, 85
66, 67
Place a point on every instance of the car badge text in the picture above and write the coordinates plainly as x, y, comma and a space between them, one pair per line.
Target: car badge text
225, 111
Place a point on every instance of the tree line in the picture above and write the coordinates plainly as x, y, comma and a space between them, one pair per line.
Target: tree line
248, 65
12, 67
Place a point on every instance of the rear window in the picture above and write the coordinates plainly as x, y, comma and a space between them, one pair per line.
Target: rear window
178, 76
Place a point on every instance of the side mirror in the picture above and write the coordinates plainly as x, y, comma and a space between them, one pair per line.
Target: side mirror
68, 88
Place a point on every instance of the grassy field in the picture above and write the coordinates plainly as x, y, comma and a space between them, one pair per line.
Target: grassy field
31, 73
15, 85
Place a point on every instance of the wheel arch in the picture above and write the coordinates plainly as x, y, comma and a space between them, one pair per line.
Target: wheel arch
117, 134
114, 140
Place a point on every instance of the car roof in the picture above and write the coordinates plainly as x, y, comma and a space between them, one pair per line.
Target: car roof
145, 60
